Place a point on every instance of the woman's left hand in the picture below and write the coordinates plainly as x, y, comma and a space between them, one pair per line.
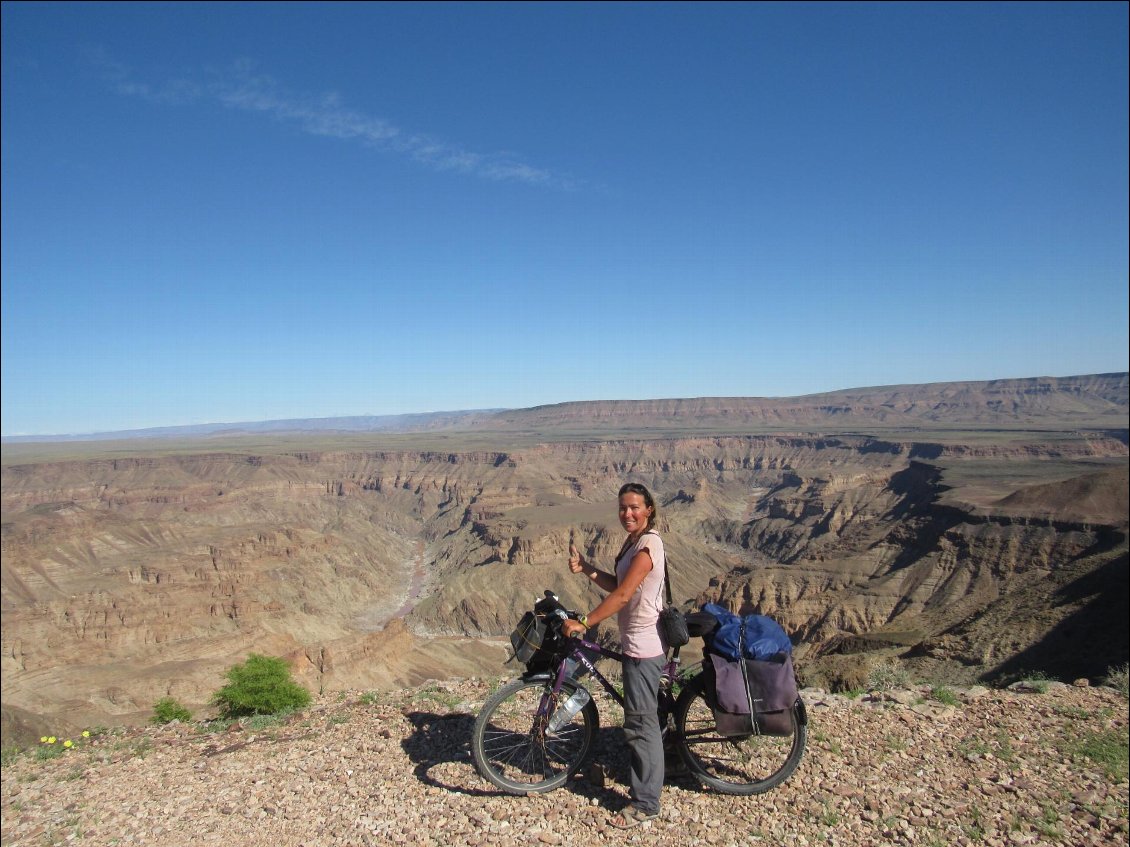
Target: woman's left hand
576, 561
573, 629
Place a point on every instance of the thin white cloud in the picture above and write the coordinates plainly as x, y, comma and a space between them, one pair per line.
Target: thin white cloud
327, 116
173, 92
324, 116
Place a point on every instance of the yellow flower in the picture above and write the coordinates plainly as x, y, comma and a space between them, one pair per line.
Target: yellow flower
86, 733
43, 739
68, 743
51, 740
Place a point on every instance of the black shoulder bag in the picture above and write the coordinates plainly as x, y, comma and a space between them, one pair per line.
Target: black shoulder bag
672, 623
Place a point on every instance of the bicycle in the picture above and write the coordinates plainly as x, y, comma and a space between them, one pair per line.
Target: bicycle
525, 741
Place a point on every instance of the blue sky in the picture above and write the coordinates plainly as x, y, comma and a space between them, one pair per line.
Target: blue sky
228, 212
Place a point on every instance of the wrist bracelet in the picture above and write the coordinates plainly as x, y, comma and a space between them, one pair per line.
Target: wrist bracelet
583, 620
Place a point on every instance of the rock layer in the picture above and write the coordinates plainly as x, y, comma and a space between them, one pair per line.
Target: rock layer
128, 579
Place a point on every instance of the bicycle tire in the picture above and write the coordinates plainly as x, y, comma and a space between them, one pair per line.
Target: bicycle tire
744, 765
511, 749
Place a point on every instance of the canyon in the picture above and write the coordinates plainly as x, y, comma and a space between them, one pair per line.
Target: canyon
975, 530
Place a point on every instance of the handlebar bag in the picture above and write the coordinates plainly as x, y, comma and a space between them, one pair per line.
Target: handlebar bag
527, 637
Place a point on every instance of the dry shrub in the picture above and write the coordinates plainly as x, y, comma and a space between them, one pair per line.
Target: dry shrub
839, 674
887, 675
1118, 678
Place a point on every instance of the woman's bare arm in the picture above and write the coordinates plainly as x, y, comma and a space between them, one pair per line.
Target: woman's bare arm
618, 597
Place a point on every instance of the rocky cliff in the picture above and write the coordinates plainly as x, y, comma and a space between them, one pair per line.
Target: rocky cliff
130, 578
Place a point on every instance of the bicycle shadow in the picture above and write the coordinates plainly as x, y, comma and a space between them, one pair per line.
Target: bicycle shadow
440, 749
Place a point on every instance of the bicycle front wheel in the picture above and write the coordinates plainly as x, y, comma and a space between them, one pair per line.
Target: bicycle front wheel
748, 764
510, 745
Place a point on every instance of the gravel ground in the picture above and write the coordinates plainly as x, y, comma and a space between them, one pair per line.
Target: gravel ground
999, 768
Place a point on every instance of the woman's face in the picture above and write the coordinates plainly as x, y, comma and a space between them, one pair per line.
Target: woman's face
634, 513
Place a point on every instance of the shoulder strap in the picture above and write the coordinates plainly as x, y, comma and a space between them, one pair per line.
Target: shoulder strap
628, 543
623, 550
666, 562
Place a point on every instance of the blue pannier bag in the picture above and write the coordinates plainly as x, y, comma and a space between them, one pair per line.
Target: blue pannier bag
763, 637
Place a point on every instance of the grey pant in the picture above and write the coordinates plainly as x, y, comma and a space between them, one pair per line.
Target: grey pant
642, 730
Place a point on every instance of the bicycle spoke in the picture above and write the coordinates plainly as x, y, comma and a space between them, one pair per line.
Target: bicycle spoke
511, 749
747, 764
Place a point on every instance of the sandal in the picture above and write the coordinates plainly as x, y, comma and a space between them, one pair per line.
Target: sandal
633, 816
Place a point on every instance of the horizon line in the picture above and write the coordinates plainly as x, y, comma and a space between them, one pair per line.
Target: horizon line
214, 426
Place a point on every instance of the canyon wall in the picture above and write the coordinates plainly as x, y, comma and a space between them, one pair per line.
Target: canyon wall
127, 579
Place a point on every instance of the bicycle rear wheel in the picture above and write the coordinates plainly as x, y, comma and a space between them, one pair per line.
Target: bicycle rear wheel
743, 765
509, 744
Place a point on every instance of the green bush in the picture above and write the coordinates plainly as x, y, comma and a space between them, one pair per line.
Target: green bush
944, 696
260, 686
1108, 749
45, 752
1038, 681
1034, 680
167, 710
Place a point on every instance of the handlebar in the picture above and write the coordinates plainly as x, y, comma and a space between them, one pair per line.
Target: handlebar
555, 614
551, 609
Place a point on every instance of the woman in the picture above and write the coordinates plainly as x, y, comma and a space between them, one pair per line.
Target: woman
635, 596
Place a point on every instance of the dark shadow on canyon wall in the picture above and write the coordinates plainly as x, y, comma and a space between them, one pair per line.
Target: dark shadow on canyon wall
1087, 643
918, 488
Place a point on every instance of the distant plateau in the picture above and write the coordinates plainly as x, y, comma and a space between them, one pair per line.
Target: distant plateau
973, 530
